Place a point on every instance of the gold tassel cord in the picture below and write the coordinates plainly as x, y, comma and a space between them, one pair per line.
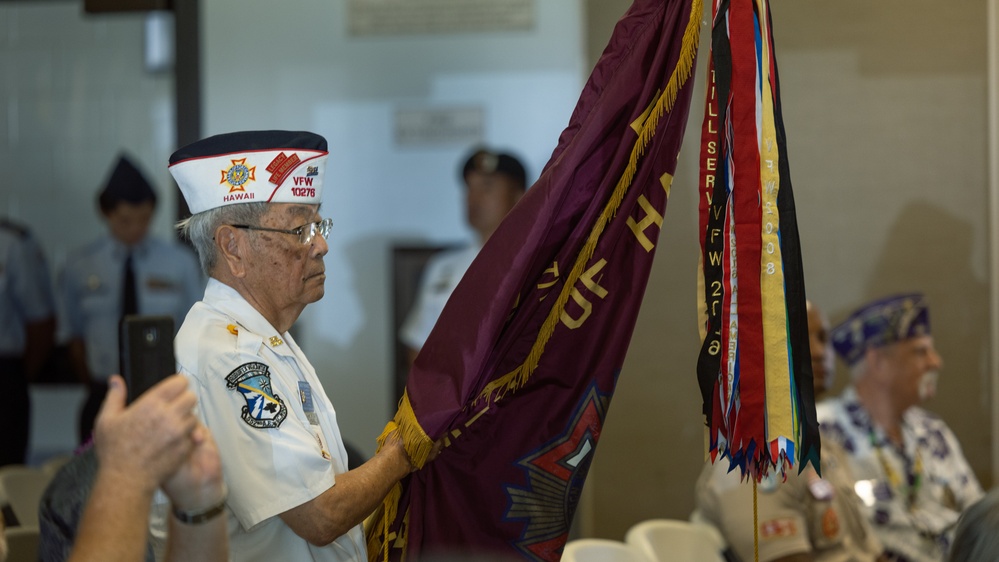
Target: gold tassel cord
382, 518
756, 526
517, 378
418, 446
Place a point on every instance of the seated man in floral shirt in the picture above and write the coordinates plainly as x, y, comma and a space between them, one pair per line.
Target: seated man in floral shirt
911, 475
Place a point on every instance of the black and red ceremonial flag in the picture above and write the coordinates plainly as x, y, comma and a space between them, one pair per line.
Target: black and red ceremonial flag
517, 376
754, 369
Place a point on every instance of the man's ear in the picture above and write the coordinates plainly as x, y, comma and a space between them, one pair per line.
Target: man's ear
230, 242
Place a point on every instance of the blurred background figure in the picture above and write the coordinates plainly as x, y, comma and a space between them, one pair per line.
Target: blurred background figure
804, 518
823, 367
910, 472
494, 182
124, 272
27, 325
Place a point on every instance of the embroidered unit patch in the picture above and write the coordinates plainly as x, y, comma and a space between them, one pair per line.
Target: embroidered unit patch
263, 408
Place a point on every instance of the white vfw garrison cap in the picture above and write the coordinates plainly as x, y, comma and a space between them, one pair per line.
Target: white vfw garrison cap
251, 167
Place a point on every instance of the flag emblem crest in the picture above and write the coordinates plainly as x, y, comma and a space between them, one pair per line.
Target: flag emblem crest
263, 409
555, 474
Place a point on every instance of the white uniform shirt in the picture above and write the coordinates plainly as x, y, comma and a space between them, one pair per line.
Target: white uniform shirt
804, 514
279, 446
442, 274
912, 495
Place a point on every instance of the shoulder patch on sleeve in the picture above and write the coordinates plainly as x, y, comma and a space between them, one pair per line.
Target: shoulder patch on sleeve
264, 409
776, 528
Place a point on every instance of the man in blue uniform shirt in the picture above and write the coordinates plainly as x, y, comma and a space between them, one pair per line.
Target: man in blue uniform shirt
123, 272
27, 324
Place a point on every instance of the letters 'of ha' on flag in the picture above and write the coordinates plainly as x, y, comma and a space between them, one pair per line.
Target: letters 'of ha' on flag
754, 369
517, 375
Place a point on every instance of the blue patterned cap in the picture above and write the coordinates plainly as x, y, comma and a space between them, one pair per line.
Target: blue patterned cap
880, 323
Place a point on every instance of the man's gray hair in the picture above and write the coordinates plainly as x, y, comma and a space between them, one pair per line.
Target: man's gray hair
200, 228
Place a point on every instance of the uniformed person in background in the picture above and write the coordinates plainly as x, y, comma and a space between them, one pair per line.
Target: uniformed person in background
123, 272
494, 182
27, 325
805, 518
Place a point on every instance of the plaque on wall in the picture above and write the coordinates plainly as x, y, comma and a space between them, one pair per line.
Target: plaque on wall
436, 126
413, 17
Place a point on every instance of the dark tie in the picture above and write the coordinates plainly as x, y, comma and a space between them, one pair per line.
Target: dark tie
130, 301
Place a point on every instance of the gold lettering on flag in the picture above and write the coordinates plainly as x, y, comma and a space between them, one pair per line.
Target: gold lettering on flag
637, 124
554, 271
652, 216
474, 418
577, 296
666, 180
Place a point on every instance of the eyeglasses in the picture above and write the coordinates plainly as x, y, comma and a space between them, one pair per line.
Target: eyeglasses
306, 233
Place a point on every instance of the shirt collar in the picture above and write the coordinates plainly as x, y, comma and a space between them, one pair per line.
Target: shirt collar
861, 418
119, 250
228, 301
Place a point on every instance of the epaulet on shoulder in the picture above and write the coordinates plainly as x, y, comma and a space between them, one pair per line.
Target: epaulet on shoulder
15, 228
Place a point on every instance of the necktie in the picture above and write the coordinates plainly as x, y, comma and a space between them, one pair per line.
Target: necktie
130, 301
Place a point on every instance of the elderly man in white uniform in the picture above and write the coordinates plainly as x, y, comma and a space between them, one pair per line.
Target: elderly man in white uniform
260, 238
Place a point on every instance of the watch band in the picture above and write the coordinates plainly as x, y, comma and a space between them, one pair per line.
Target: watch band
196, 517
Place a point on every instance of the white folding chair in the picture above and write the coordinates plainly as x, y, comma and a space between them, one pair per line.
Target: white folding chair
22, 544
602, 550
674, 540
698, 518
23, 487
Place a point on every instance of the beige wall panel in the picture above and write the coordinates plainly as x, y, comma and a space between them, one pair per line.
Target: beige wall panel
885, 111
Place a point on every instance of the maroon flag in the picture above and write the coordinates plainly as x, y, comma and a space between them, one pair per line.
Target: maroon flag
517, 375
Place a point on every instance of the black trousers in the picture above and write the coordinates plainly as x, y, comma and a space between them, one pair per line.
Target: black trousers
15, 415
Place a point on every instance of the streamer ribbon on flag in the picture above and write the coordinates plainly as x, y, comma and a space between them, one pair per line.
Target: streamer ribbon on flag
754, 368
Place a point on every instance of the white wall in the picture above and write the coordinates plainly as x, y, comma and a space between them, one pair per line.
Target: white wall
291, 65
74, 92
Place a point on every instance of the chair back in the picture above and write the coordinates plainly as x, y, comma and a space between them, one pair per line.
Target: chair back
22, 544
674, 540
602, 550
23, 487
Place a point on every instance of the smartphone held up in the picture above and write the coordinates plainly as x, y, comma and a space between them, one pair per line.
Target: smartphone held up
146, 352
